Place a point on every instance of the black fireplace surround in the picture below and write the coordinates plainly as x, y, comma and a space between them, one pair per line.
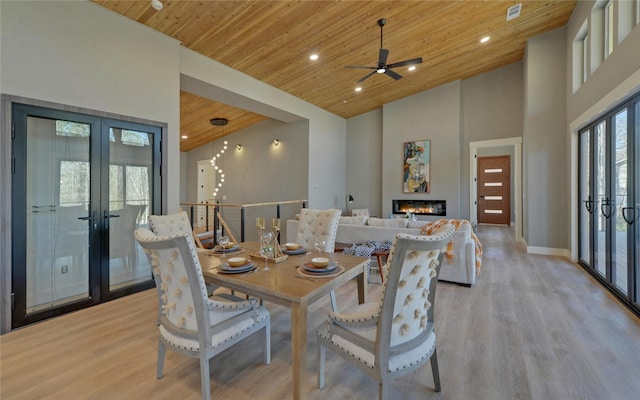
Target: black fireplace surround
420, 207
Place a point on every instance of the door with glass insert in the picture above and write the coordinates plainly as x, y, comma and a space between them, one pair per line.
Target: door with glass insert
80, 186
130, 190
609, 188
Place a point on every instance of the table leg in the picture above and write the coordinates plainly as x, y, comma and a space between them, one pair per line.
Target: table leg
379, 257
362, 285
299, 349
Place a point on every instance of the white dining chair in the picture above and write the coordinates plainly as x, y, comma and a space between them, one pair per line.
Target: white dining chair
317, 226
394, 336
190, 322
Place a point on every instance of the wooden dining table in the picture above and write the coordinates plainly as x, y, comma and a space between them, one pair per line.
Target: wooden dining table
283, 285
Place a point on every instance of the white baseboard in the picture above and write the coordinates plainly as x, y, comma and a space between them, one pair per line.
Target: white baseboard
549, 251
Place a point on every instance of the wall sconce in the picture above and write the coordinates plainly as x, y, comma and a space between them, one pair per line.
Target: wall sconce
276, 142
238, 147
348, 199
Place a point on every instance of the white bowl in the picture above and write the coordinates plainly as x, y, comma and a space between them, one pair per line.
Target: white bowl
320, 261
292, 246
236, 261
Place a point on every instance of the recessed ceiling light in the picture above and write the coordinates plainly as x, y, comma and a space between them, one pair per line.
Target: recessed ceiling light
412, 68
313, 57
358, 88
344, 101
184, 136
485, 39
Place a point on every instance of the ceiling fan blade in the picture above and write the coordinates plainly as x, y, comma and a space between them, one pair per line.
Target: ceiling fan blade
382, 56
392, 74
366, 76
406, 62
359, 66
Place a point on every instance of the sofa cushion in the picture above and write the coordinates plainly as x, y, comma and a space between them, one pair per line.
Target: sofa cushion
416, 224
388, 223
357, 220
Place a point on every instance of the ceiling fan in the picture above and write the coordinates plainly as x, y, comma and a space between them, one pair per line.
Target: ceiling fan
382, 67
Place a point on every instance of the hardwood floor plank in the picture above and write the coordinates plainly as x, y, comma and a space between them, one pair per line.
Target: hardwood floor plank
533, 327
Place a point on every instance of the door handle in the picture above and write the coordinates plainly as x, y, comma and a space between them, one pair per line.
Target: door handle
108, 215
624, 215
606, 203
589, 205
90, 218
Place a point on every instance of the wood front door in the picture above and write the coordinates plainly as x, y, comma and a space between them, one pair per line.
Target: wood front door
494, 190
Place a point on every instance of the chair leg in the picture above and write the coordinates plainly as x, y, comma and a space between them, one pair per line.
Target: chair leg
434, 369
160, 366
383, 390
321, 360
205, 379
334, 304
267, 343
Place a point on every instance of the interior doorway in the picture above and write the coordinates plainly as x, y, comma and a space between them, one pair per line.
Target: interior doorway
494, 190
515, 143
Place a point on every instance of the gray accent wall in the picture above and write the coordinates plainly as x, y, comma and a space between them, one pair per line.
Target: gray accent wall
364, 167
432, 115
260, 172
545, 176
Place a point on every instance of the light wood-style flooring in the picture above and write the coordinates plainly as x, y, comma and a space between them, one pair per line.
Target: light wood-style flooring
533, 327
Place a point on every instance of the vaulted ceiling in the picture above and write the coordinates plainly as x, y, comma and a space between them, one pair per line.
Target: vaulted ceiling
272, 41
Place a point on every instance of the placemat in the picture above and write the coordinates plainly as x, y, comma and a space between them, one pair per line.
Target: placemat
304, 273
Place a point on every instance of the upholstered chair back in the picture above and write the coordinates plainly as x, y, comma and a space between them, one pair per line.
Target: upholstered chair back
178, 273
172, 225
409, 294
317, 225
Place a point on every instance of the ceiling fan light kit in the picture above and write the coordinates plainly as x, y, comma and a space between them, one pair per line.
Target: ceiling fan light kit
383, 54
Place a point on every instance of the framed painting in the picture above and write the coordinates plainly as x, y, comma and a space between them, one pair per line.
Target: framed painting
417, 166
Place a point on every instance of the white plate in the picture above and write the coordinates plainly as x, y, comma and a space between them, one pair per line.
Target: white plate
320, 270
227, 269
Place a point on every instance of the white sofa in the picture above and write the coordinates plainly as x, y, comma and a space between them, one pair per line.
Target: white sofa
461, 269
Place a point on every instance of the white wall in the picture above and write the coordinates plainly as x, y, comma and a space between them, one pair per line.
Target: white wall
327, 132
79, 54
364, 162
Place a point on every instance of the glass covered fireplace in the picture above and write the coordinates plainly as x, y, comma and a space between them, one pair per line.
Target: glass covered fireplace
420, 207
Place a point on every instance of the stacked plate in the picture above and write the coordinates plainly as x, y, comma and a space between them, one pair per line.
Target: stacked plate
298, 251
231, 249
328, 269
225, 268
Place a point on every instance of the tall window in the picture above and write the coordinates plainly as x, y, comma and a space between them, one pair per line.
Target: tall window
608, 29
585, 64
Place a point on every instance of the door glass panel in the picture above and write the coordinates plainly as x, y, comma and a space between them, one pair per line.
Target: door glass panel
130, 171
586, 205
600, 198
57, 242
619, 238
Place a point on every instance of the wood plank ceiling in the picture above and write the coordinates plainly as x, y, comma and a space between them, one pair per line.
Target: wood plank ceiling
272, 41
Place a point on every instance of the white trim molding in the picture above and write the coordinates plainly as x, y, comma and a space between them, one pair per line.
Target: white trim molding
516, 142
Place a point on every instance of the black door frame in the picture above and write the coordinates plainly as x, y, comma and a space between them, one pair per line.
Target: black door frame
98, 270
